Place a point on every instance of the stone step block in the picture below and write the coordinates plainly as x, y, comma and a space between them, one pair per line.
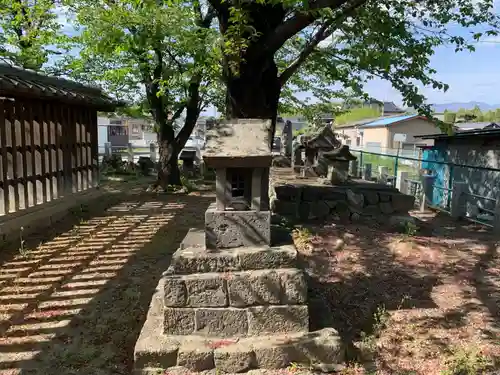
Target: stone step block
235, 322
201, 260
285, 286
320, 349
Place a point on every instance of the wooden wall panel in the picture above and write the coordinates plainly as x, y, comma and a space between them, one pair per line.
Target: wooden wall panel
13, 167
33, 135
4, 192
94, 147
47, 151
22, 155
59, 140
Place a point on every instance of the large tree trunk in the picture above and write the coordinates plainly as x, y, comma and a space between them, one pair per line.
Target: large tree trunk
254, 92
168, 167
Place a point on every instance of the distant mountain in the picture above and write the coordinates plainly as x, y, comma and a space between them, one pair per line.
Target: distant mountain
453, 107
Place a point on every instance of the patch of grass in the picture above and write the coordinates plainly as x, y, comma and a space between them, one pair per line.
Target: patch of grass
410, 229
380, 319
188, 184
467, 361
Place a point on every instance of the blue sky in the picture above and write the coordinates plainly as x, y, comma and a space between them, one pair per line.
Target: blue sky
472, 76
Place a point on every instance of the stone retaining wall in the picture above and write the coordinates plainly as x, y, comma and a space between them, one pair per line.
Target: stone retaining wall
350, 201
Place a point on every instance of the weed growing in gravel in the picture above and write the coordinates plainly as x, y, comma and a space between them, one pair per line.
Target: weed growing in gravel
466, 361
23, 250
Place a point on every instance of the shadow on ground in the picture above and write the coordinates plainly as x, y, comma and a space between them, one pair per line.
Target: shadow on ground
76, 303
438, 290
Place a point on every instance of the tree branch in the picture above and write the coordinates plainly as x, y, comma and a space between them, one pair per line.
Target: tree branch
182, 69
192, 111
321, 35
219, 6
303, 19
178, 112
324, 32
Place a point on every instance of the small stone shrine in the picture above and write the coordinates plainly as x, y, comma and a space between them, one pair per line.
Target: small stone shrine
230, 300
314, 147
240, 155
338, 164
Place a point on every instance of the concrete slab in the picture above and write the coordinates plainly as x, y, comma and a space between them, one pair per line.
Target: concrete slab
201, 260
194, 238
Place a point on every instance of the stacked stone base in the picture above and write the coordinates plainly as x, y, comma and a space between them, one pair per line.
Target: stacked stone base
234, 310
156, 352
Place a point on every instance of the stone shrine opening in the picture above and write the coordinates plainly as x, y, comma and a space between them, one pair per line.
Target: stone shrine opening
240, 180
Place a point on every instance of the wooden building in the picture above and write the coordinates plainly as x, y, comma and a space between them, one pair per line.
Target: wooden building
48, 138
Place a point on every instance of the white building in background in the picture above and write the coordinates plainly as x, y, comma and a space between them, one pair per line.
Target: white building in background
120, 131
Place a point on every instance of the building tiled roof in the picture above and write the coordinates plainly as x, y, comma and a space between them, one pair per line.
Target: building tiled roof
17, 82
391, 107
476, 125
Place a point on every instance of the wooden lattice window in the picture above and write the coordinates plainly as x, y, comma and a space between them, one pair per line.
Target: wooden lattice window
238, 184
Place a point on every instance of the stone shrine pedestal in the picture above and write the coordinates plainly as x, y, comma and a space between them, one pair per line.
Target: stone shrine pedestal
230, 300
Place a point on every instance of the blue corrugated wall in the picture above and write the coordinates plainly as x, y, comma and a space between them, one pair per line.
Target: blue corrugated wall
441, 171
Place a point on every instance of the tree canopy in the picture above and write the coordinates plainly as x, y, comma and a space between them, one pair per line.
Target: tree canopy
159, 56
291, 46
29, 32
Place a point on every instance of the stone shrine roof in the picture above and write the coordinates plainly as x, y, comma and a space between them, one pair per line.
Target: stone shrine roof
324, 139
242, 143
341, 154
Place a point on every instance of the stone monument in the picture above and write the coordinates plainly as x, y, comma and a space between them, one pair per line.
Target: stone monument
287, 136
231, 300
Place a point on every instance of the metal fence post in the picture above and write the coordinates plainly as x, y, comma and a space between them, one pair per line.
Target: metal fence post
457, 206
152, 152
450, 185
367, 172
496, 223
130, 150
361, 160
427, 191
354, 168
401, 182
396, 165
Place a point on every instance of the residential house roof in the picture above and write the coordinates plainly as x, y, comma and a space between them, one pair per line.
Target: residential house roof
387, 121
18, 82
391, 107
356, 123
462, 126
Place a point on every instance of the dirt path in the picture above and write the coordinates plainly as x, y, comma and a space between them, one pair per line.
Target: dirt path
75, 299
422, 304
